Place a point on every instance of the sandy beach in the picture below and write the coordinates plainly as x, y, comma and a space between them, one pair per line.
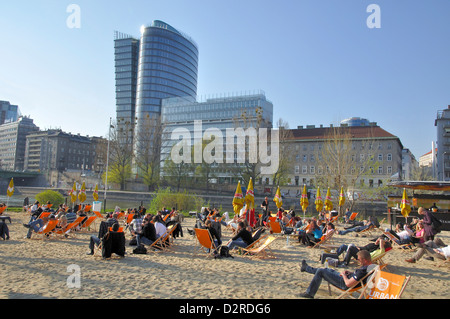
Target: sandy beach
36, 269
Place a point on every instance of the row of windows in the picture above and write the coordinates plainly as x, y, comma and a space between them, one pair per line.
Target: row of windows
124, 62
362, 157
238, 105
170, 39
147, 108
125, 94
320, 170
186, 54
160, 71
180, 69
164, 89
369, 146
150, 82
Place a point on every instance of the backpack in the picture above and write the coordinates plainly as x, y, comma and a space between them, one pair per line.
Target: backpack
224, 252
140, 250
435, 223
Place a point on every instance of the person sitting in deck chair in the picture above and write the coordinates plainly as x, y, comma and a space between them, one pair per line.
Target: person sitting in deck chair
343, 280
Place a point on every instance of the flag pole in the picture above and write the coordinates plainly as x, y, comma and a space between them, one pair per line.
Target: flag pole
107, 164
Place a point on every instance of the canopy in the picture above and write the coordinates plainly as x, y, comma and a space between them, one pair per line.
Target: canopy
422, 185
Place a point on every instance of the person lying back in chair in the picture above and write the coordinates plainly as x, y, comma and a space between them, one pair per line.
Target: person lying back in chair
343, 280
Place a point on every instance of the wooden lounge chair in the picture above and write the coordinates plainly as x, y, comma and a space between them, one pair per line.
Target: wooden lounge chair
44, 215
379, 259
275, 227
361, 284
384, 285
205, 241
262, 251
85, 226
324, 239
47, 229
69, 228
396, 243
167, 239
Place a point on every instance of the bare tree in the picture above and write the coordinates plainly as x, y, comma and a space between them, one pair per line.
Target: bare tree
286, 155
148, 154
343, 160
120, 154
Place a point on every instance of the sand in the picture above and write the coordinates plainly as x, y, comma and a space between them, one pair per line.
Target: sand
36, 269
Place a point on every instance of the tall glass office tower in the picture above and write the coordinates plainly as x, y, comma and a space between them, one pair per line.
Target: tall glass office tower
162, 64
126, 50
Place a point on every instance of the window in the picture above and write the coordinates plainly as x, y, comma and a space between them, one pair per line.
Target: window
305, 169
297, 169
389, 169
305, 158
389, 157
361, 157
380, 170
312, 170
380, 157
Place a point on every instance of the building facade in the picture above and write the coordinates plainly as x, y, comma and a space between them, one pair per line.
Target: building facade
370, 156
8, 112
59, 151
163, 63
442, 124
13, 141
126, 52
217, 113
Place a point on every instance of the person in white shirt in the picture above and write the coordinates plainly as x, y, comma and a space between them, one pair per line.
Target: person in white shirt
159, 226
434, 248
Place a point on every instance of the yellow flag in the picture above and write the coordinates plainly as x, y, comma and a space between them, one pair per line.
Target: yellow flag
95, 194
318, 201
250, 196
238, 200
10, 190
277, 199
73, 193
82, 194
341, 197
304, 202
406, 205
328, 202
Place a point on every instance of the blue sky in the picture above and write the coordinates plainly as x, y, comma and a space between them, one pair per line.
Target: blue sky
316, 60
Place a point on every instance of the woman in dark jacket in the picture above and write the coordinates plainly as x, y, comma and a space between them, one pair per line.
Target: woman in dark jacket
427, 222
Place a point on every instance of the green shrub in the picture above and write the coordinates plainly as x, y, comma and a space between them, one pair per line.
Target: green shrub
53, 197
183, 201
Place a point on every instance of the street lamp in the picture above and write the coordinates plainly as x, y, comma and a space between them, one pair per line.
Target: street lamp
107, 164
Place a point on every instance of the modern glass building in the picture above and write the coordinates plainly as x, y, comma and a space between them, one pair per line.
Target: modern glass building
168, 67
126, 50
163, 63
355, 121
228, 111
8, 112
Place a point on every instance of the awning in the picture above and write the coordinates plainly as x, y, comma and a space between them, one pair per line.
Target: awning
422, 185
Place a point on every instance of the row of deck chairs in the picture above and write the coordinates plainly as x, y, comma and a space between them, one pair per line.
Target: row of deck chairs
51, 231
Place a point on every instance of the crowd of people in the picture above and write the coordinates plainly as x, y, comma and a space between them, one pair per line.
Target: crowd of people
144, 229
